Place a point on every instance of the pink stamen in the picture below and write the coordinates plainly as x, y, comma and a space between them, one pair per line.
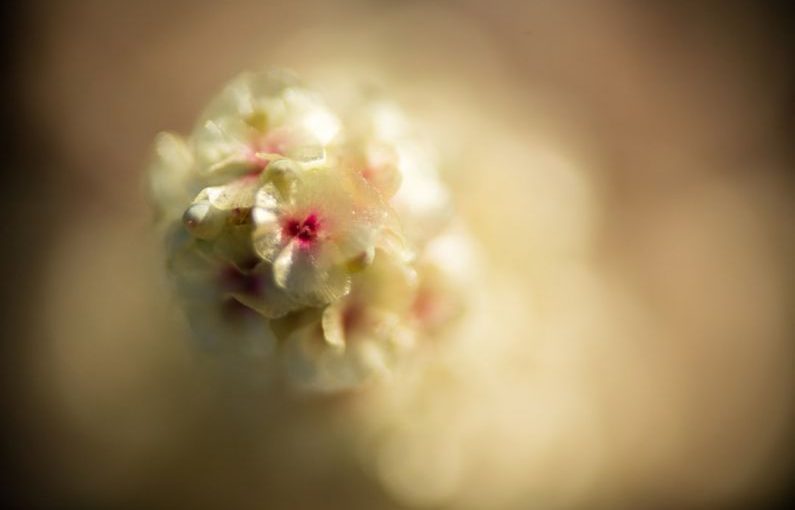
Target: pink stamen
306, 230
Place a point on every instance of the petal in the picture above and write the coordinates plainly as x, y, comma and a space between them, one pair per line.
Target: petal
309, 152
169, 175
267, 237
422, 201
203, 221
233, 245
282, 265
282, 174
268, 243
264, 295
269, 198
321, 124
381, 170
236, 163
313, 364
307, 277
221, 147
253, 92
388, 284
447, 272
238, 194
356, 241
192, 271
332, 322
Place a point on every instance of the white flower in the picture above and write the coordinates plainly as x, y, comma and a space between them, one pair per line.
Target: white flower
215, 294
257, 118
447, 269
359, 336
380, 145
318, 232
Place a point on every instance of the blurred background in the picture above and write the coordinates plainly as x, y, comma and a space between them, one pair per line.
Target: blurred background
626, 168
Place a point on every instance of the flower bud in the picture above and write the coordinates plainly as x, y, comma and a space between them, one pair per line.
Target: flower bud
203, 221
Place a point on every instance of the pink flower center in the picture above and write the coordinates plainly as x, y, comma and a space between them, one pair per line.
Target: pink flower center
305, 230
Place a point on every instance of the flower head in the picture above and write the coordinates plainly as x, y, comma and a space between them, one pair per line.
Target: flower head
296, 235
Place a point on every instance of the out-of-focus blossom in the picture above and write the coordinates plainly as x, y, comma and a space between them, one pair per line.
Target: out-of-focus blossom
257, 118
391, 157
213, 293
360, 335
447, 271
370, 148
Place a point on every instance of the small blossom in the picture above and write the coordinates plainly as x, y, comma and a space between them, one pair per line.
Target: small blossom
422, 202
382, 146
259, 118
213, 307
320, 231
359, 336
447, 273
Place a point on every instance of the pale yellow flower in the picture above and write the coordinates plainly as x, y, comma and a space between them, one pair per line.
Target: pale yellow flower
219, 298
170, 186
448, 272
381, 144
360, 336
318, 232
257, 118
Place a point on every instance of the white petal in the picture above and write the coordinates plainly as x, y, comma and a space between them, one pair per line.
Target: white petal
203, 220
169, 175
332, 323
298, 271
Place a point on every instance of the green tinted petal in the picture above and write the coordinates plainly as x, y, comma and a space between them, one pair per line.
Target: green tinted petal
307, 278
238, 194
170, 175
203, 221
333, 327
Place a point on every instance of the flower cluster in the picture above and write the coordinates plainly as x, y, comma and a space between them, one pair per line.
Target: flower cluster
306, 236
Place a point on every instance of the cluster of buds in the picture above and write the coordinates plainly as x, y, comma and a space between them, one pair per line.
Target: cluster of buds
306, 236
